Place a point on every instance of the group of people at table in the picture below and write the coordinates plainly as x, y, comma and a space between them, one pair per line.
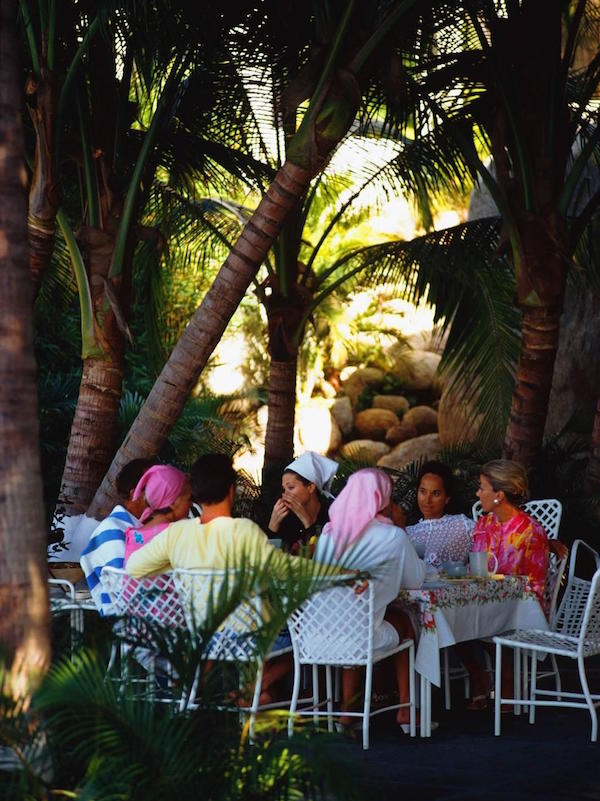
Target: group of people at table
151, 531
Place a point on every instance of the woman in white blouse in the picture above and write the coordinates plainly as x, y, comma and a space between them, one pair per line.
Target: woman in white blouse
439, 537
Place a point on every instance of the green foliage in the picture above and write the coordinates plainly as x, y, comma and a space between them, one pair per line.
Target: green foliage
88, 736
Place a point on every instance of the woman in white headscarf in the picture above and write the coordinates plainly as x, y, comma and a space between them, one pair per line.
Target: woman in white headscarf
302, 510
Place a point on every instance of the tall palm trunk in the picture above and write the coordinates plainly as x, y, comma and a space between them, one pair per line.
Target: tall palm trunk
279, 437
93, 431
44, 193
24, 622
592, 475
179, 375
539, 344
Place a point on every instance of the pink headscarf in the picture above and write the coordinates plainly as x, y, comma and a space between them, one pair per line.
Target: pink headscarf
161, 485
366, 493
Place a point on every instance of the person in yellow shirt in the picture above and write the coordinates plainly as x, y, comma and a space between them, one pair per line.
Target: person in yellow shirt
217, 541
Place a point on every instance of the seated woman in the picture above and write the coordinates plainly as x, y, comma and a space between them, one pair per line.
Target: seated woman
301, 511
362, 535
439, 537
519, 543
168, 496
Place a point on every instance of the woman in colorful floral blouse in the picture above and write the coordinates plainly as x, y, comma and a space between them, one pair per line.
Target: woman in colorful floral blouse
519, 543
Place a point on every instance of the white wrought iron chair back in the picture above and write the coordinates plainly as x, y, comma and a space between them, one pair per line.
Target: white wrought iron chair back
547, 512
334, 626
200, 592
570, 614
153, 599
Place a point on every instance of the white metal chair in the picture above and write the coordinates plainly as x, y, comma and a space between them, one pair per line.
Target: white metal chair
334, 628
577, 637
547, 512
235, 639
65, 598
146, 603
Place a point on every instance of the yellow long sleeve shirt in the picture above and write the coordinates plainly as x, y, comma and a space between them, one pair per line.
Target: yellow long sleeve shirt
225, 542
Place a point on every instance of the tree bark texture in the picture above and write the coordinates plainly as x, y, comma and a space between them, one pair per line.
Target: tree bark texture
539, 343
24, 622
93, 432
44, 193
279, 438
179, 375
592, 476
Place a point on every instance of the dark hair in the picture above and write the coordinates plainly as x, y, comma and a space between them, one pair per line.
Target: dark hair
305, 481
212, 476
129, 476
438, 469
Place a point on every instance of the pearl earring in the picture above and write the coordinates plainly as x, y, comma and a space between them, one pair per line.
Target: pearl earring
496, 500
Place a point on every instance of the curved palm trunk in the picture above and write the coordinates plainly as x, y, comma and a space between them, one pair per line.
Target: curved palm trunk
24, 622
539, 343
179, 375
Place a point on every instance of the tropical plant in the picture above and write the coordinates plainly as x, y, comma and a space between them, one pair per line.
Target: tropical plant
486, 89
24, 631
338, 72
91, 735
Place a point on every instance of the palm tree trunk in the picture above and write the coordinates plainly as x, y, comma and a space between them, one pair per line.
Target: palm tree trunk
592, 474
179, 375
279, 438
93, 433
24, 622
539, 343
44, 193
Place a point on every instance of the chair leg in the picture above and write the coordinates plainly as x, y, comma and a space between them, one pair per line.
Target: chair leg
588, 698
411, 690
533, 691
315, 683
329, 691
498, 690
517, 680
295, 694
254, 707
447, 700
557, 681
367, 705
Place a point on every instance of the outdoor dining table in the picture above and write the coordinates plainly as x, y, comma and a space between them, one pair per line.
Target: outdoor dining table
454, 610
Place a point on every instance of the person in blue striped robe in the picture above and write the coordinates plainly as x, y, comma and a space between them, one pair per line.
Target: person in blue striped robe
107, 543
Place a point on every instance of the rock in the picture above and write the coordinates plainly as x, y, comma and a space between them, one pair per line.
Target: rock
423, 418
374, 423
395, 403
457, 420
341, 411
416, 369
400, 433
360, 379
365, 450
317, 430
420, 448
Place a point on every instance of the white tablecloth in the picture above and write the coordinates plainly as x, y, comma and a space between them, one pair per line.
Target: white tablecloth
455, 611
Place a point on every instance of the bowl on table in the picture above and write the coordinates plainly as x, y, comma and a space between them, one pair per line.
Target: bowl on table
66, 571
455, 569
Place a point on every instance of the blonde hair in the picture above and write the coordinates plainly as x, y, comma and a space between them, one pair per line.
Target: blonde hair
508, 477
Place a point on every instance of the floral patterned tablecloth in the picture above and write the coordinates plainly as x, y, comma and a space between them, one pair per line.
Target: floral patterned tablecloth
456, 610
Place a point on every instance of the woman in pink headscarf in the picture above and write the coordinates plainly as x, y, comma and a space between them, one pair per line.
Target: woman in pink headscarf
362, 534
168, 496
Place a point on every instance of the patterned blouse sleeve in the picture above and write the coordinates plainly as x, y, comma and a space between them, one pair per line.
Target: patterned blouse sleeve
537, 557
481, 540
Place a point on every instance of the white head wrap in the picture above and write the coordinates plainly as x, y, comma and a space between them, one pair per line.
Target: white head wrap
315, 468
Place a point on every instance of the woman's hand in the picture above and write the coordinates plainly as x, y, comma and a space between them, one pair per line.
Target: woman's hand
294, 505
280, 511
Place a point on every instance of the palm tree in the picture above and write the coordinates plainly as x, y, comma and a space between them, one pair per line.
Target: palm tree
129, 106
500, 93
24, 631
340, 64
